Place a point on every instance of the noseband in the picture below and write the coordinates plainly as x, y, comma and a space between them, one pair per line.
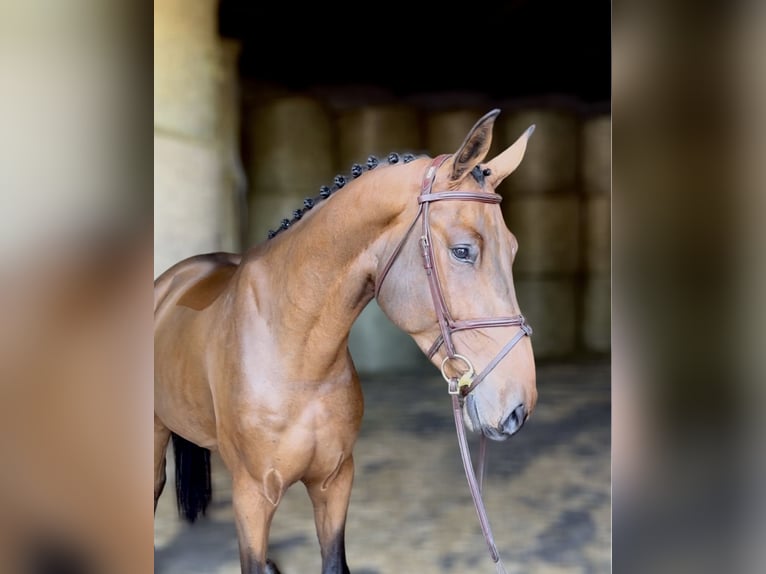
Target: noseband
458, 387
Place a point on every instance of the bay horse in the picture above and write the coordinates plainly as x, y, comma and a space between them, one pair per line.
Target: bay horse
251, 351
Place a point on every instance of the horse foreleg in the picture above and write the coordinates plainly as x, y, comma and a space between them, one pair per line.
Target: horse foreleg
254, 506
161, 438
330, 499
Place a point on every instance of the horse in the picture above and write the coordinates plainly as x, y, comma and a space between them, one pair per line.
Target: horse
251, 350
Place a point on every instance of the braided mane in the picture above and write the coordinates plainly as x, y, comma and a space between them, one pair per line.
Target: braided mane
339, 181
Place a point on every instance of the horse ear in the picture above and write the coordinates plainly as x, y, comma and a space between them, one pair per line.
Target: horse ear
503, 165
474, 148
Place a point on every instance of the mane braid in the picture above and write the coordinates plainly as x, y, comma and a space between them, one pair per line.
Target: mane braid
338, 182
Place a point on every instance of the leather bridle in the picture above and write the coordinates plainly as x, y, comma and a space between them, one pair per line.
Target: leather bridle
458, 387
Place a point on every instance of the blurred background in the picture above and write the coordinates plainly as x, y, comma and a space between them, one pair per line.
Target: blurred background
253, 113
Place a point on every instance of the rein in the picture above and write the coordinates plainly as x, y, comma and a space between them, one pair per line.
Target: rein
458, 388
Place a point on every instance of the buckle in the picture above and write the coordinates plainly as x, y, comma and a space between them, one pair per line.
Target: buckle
456, 385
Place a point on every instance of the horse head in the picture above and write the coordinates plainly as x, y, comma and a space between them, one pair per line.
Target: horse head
462, 310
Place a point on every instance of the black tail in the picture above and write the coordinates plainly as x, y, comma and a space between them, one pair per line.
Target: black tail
193, 488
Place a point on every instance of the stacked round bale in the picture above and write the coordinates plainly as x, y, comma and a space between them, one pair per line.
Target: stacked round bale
542, 208
596, 182
234, 207
379, 129
296, 144
557, 202
449, 117
291, 153
195, 74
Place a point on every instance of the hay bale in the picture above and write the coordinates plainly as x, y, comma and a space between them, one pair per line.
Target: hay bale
378, 346
290, 151
188, 186
290, 155
550, 162
550, 307
596, 327
235, 192
547, 228
446, 130
258, 93
597, 155
377, 130
448, 116
598, 234
187, 64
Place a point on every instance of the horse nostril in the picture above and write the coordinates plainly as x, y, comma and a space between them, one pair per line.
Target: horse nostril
515, 420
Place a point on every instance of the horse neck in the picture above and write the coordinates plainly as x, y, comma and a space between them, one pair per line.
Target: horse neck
321, 272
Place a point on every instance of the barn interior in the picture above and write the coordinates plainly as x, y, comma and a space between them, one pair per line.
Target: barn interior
255, 109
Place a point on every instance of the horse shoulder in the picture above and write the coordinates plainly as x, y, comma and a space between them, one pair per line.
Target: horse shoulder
206, 290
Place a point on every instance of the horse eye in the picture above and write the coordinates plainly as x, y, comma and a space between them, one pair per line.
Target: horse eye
461, 253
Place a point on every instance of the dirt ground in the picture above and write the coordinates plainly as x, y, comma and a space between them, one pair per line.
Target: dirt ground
547, 490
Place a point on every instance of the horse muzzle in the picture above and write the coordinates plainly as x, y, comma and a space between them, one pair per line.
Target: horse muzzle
509, 426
